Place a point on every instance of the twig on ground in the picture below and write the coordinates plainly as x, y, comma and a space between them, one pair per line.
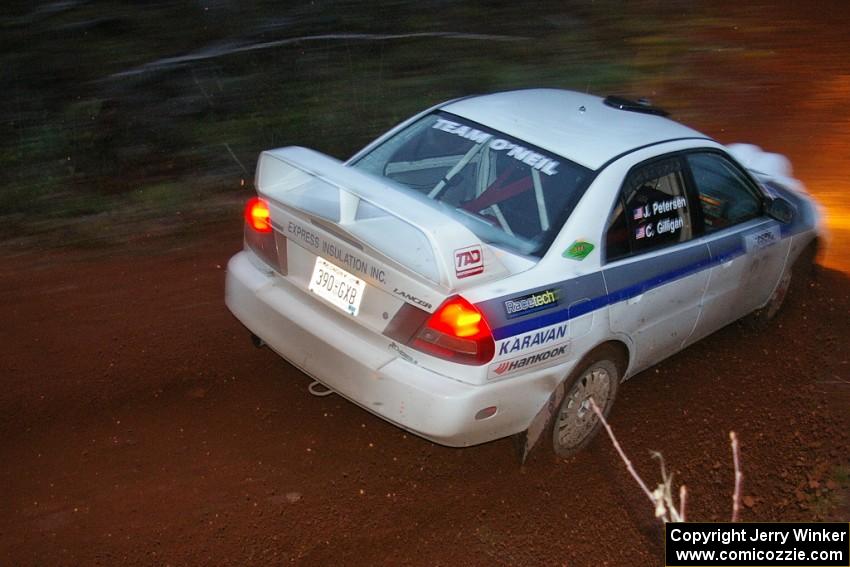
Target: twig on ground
622, 453
836, 381
739, 477
226, 145
237, 46
662, 497
665, 507
201, 87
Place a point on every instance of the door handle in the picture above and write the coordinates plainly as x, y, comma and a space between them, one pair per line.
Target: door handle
635, 299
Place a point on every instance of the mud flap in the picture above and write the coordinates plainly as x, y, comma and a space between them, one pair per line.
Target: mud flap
528, 439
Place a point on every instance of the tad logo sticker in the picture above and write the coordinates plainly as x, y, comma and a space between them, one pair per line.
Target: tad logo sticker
578, 250
469, 261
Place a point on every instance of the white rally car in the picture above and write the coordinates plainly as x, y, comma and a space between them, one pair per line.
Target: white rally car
486, 267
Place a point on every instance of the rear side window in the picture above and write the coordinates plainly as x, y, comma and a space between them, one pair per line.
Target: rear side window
726, 196
653, 210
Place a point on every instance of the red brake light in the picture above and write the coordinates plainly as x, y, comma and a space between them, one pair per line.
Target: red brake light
257, 215
458, 318
457, 331
260, 237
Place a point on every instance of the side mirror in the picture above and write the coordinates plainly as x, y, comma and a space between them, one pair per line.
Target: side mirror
780, 209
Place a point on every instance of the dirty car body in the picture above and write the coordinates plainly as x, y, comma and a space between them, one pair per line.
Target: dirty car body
452, 276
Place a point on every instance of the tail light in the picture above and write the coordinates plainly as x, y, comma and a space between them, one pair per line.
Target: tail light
257, 215
260, 237
457, 331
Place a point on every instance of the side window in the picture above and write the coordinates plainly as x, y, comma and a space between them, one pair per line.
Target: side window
725, 195
653, 212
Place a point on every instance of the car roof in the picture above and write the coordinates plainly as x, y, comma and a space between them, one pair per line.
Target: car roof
577, 126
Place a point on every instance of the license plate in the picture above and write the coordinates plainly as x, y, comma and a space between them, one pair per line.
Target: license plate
337, 286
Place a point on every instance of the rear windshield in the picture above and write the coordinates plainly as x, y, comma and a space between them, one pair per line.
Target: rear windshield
508, 192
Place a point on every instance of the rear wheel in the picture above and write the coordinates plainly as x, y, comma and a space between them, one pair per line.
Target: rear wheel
575, 423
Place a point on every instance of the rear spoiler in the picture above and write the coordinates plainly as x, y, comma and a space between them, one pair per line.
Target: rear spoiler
402, 226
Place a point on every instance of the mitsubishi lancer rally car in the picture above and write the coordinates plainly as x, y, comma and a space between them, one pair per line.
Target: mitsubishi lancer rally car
488, 266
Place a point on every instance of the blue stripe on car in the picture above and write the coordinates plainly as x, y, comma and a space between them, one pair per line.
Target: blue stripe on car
580, 288
583, 294
726, 248
623, 282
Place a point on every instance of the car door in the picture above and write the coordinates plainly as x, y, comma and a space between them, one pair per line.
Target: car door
656, 271
747, 251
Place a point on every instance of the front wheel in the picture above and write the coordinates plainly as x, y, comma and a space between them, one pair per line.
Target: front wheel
576, 423
794, 280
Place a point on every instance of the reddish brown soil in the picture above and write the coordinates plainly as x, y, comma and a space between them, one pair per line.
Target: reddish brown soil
138, 425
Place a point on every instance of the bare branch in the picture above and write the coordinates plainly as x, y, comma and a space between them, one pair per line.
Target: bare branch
622, 453
662, 497
739, 477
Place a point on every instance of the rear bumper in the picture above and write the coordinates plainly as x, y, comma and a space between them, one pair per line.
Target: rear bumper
365, 368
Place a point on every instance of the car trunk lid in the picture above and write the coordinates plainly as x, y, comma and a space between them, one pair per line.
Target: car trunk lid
403, 249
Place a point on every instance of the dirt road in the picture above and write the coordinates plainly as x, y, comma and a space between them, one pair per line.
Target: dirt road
139, 425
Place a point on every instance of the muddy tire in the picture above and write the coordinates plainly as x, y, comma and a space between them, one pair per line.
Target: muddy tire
575, 424
793, 283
